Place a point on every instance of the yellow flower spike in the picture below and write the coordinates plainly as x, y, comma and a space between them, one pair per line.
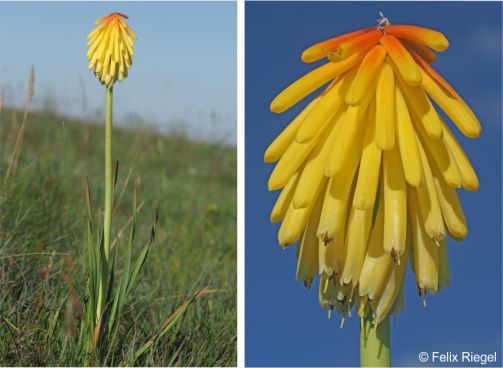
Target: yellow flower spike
385, 108
375, 127
366, 74
283, 202
320, 50
312, 81
331, 103
458, 112
404, 62
429, 207
407, 143
395, 203
286, 137
106, 57
428, 37
370, 166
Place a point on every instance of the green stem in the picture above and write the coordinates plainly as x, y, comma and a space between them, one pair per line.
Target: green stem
374, 344
108, 173
107, 228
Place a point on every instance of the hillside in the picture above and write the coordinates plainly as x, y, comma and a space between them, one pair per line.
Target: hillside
42, 241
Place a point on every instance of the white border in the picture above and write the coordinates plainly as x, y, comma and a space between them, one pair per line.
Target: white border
241, 181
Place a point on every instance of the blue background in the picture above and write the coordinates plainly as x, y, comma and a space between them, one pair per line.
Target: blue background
183, 74
285, 325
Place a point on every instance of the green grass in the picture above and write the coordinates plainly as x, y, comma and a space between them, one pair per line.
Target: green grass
43, 235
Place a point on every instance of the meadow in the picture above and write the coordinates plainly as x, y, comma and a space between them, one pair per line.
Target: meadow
43, 237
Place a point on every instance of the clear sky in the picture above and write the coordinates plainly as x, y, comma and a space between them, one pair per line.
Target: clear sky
183, 74
284, 322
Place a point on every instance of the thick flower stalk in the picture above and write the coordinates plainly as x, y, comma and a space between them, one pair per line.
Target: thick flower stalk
369, 170
111, 48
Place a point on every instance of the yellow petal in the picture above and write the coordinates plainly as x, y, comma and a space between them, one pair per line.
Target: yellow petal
331, 102
452, 212
286, 137
366, 75
357, 236
313, 174
351, 122
333, 216
395, 203
284, 199
419, 103
438, 152
469, 180
429, 207
312, 81
377, 262
385, 108
370, 166
406, 138
464, 119
402, 59
307, 265
425, 251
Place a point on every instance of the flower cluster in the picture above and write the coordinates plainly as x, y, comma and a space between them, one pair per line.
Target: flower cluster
111, 48
368, 171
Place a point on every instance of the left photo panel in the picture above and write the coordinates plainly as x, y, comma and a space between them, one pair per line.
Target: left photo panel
118, 184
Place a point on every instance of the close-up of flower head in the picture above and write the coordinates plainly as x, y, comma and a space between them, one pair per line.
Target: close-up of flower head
369, 170
111, 48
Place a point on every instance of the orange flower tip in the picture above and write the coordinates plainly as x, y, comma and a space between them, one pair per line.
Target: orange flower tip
429, 37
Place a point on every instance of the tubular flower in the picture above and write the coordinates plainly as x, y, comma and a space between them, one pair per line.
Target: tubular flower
369, 170
111, 48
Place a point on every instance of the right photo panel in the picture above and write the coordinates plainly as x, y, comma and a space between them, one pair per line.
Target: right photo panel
373, 183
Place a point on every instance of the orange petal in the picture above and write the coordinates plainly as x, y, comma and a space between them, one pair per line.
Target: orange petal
423, 51
403, 60
433, 73
312, 81
321, 49
355, 44
433, 39
366, 75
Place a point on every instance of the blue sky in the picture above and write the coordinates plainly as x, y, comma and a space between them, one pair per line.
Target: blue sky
284, 323
184, 70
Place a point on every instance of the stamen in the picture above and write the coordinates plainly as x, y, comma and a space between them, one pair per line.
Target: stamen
382, 23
